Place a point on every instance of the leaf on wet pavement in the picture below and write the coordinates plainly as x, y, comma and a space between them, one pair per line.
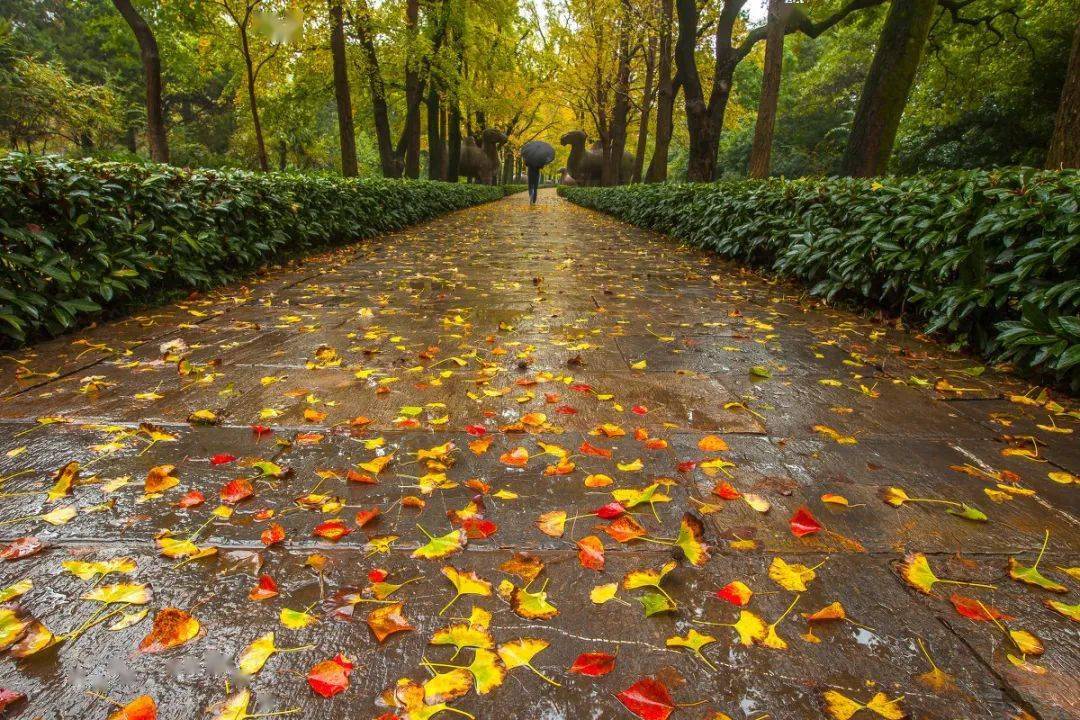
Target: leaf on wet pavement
172, 627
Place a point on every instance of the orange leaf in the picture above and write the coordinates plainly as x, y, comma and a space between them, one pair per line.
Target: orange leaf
591, 553
172, 627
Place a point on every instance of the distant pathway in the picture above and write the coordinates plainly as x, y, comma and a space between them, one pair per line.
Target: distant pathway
475, 376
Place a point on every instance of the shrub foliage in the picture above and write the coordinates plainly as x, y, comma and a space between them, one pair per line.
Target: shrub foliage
990, 259
82, 237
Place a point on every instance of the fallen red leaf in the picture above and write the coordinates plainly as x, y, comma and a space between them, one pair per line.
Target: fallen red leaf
9, 697
593, 664
476, 430
330, 677
21, 547
264, 590
479, 528
222, 459
735, 593
610, 511
272, 535
191, 499
648, 698
803, 523
237, 490
726, 491
976, 610
588, 448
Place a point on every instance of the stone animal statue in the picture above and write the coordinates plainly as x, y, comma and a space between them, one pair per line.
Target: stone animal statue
586, 165
491, 141
480, 163
565, 178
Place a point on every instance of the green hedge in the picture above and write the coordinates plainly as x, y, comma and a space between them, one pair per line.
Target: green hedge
83, 237
989, 259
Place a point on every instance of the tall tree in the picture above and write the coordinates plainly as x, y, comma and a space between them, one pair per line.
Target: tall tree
156, 137
362, 26
648, 94
436, 148
761, 151
666, 90
342, 93
615, 147
413, 92
241, 13
888, 84
705, 116
1065, 143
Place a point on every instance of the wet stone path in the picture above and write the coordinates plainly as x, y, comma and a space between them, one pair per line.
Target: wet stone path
536, 464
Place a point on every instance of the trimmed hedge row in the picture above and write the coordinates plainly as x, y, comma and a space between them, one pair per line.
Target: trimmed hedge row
990, 259
81, 237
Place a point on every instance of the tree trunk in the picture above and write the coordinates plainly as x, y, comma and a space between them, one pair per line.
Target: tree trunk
888, 84
508, 164
444, 163
411, 136
761, 152
341, 91
704, 121
646, 110
1065, 144
612, 170
387, 160
453, 142
434, 138
665, 102
156, 137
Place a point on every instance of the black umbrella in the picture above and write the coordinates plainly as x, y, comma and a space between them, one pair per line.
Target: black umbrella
537, 153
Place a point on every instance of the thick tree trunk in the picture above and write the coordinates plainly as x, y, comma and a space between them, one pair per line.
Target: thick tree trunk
761, 151
413, 93
435, 140
705, 120
383, 140
453, 150
646, 111
888, 84
1065, 143
665, 99
341, 91
156, 137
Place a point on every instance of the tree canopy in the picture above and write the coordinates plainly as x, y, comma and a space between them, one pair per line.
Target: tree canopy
676, 84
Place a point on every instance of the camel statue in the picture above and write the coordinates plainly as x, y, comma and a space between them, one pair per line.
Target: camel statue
491, 141
586, 166
480, 163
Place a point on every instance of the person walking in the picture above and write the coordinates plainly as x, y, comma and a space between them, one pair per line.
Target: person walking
536, 154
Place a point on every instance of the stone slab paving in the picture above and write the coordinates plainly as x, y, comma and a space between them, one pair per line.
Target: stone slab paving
513, 363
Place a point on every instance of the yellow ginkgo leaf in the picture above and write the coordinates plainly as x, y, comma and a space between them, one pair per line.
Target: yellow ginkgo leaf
130, 593
466, 583
792, 577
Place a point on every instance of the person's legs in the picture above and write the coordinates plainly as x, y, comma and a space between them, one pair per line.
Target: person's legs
534, 184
